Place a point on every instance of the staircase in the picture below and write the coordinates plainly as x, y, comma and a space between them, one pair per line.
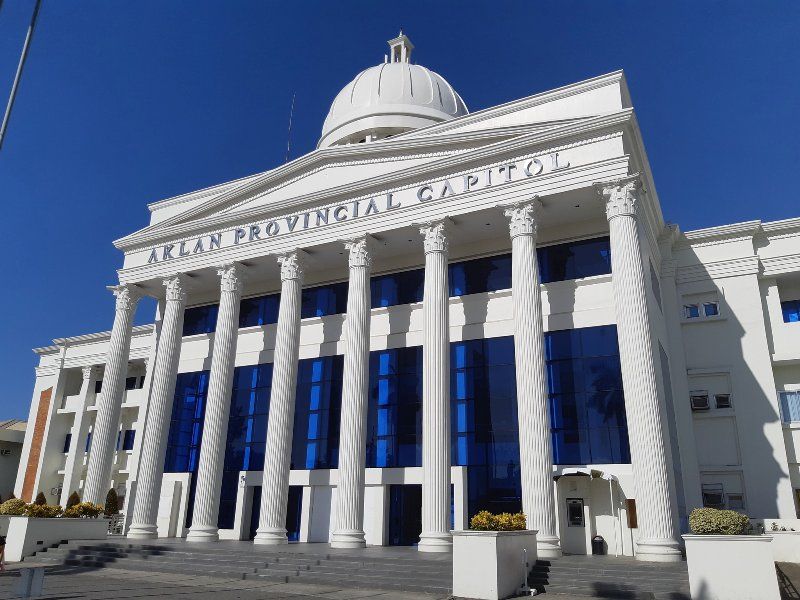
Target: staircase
607, 577
373, 568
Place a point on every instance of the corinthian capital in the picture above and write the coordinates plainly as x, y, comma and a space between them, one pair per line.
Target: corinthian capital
292, 264
523, 217
176, 288
231, 278
434, 235
621, 195
127, 296
360, 251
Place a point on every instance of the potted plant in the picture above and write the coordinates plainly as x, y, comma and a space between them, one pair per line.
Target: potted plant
492, 559
725, 562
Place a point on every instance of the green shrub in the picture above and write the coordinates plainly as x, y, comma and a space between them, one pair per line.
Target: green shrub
83, 510
40, 499
43, 511
72, 500
486, 521
13, 507
112, 503
711, 521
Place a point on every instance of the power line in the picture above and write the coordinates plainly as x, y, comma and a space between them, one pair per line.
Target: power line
20, 67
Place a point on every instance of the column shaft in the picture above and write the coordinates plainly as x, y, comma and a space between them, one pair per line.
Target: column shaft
355, 396
535, 445
215, 423
104, 434
435, 535
278, 452
657, 539
162, 395
73, 465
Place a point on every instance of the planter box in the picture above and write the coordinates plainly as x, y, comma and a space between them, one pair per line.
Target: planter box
27, 535
731, 567
488, 565
4, 524
785, 546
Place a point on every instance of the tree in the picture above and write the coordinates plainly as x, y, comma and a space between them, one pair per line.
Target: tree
112, 503
73, 500
40, 499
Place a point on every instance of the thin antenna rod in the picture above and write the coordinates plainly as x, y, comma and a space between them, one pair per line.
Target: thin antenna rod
289, 134
26, 46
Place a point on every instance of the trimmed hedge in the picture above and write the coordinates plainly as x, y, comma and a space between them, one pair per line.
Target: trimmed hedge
83, 510
711, 521
13, 507
486, 521
43, 511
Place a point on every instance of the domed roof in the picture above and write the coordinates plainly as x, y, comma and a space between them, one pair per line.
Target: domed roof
390, 98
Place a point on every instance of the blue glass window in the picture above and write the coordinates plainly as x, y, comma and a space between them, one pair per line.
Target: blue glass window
261, 310
405, 287
128, 439
587, 407
200, 319
247, 433
573, 260
790, 406
791, 311
315, 443
88, 442
394, 422
324, 300
67, 442
484, 422
186, 426
480, 275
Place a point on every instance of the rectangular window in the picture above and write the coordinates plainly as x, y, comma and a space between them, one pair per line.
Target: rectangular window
134, 383
713, 495
98, 386
722, 400
67, 442
200, 319
575, 512
88, 442
315, 443
735, 501
574, 260
711, 309
791, 311
128, 439
790, 406
691, 311
261, 310
480, 275
186, 425
394, 289
699, 401
324, 300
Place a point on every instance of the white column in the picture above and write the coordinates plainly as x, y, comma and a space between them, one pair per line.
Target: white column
73, 465
533, 414
355, 396
278, 453
657, 539
104, 435
156, 429
215, 423
435, 536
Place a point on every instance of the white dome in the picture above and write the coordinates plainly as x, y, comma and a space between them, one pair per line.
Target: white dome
388, 99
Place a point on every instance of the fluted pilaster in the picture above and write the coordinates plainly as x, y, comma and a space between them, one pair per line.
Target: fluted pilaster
104, 434
355, 394
535, 446
215, 423
435, 536
162, 393
278, 452
657, 539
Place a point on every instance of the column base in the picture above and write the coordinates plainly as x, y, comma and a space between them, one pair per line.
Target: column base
435, 542
548, 546
658, 550
142, 532
270, 537
348, 538
202, 533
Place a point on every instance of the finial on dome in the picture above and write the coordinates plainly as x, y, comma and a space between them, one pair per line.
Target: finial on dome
400, 48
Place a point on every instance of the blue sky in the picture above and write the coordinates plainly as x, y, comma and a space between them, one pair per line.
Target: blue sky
124, 103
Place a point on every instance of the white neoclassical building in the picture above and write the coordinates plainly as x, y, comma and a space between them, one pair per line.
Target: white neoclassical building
433, 313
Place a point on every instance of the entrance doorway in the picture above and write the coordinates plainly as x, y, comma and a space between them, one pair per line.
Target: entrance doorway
294, 512
405, 515
255, 512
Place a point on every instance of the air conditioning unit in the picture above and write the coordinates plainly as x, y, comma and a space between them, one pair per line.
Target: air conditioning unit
699, 401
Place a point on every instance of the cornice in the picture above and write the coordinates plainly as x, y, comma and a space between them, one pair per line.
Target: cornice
537, 141
736, 267
59, 343
261, 183
780, 265
720, 234
784, 228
